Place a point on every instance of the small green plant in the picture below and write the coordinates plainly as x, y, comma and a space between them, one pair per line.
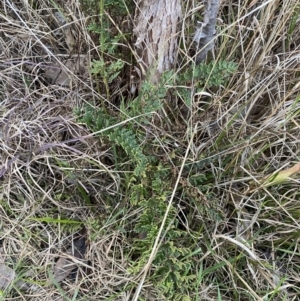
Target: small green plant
129, 142
213, 74
150, 182
171, 270
148, 186
106, 68
107, 72
124, 137
110, 63
129, 136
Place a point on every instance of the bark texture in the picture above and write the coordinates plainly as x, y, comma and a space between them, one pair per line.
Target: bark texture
156, 35
205, 31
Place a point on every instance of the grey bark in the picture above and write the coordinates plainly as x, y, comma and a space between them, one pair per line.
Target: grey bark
155, 28
205, 31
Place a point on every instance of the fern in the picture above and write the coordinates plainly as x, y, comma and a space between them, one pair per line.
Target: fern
109, 65
149, 187
128, 141
107, 71
209, 75
203, 75
150, 100
96, 119
171, 272
214, 73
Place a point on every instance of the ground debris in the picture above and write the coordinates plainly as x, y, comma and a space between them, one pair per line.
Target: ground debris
7, 275
72, 68
66, 265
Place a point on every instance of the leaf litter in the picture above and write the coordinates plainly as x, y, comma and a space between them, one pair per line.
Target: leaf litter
7, 275
67, 264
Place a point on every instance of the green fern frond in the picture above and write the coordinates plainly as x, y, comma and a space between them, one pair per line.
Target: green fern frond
127, 140
209, 75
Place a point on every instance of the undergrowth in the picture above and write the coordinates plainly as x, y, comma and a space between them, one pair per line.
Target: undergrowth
151, 180
173, 186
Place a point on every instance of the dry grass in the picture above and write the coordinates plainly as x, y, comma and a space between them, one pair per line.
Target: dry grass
243, 239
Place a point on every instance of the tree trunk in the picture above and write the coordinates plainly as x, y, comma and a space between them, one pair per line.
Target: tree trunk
155, 29
205, 32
